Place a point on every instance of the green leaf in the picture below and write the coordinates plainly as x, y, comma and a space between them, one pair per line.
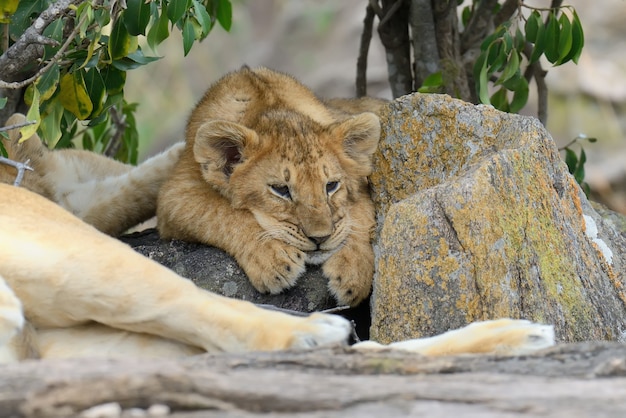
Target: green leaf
189, 36
565, 38
578, 40
136, 16
482, 80
158, 32
499, 100
3, 102
465, 15
532, 26
520, 95
96, 89
202, 16
48, 82
571, 159
133, 60
579, 173
22, 18
73, 95
119, 41
540, 44
114, 80
491, 38
53, 31
432, 84
50, 127
225, 14
508, 42
176, 9
552, 39
511, 68
32, 115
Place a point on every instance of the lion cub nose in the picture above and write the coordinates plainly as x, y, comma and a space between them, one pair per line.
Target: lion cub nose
319, 240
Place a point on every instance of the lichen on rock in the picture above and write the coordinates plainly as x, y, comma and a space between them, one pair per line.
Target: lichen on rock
478, 218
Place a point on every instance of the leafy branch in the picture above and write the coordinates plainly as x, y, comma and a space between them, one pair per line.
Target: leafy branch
67, 60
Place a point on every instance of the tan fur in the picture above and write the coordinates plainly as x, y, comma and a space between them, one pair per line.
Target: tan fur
105, 193
258, 131
69, 276
86, 294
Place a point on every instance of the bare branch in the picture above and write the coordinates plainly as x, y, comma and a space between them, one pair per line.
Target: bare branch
27, 49
20, 167
55, 59
479, 25
506, 11
119, 125
361, 62
449, 47
394, 34
17, 125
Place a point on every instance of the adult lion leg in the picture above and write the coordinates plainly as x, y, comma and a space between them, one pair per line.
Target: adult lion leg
500, 336
67, 274
11, 318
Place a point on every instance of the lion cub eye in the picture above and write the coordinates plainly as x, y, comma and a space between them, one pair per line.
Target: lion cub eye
331, 187
281, 190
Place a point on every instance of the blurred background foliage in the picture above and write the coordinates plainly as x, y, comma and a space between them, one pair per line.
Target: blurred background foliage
318, 41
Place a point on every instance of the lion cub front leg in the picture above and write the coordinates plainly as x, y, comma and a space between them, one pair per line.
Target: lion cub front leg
271, 265
350, 270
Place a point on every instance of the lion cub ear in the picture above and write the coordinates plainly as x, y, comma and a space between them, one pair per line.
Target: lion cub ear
360, 134
219, 146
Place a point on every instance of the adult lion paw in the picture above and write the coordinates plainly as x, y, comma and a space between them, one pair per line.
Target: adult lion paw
11, 317
272, 266
500, 336
319, 330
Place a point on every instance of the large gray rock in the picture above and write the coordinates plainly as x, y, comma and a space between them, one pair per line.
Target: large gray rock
478, 218
213, 269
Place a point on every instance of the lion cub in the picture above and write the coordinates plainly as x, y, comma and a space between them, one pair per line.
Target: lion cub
278, 179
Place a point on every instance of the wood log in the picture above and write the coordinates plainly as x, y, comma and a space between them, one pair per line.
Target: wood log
573, 380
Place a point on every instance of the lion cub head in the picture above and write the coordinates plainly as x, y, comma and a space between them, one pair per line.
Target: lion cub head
297, 176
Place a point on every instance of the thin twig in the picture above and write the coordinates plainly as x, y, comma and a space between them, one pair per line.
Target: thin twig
119, 124
20, 167
335, 310
17, 125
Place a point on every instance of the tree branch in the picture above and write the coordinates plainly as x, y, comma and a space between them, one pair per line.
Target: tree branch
425, 53
119, 124
361, 62
449, 47
506, 11
394, 34
27, 49
479, 25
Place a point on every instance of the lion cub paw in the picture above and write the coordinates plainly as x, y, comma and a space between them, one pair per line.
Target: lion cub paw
319, 330
273, 266
11, 317
349, 280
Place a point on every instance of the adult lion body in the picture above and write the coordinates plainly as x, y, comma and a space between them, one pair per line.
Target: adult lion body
278, 179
